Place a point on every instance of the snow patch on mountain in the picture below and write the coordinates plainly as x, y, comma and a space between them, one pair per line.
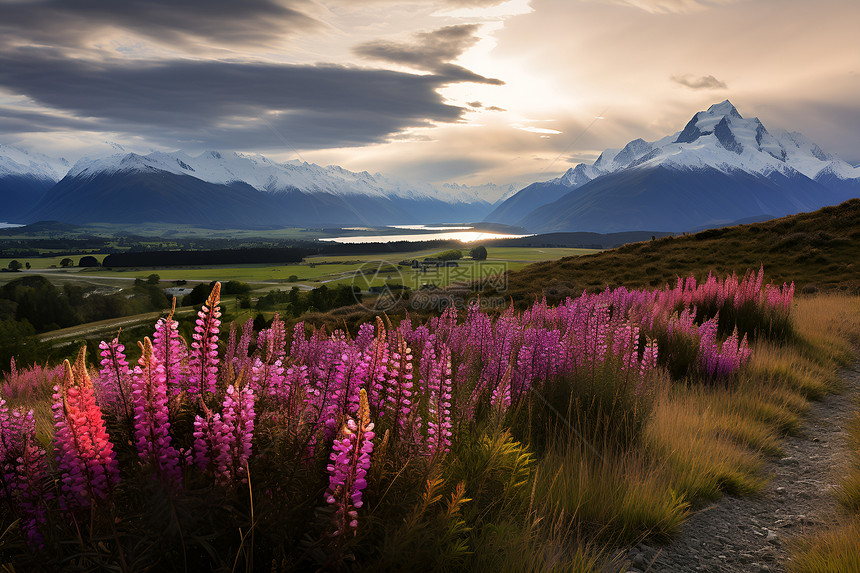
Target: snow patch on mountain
719, 138
267, 175
17, 161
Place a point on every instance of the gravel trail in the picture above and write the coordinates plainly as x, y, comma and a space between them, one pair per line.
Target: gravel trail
750, 534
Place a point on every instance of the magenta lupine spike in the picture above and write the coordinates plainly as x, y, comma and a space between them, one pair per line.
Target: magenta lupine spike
267, 379
230, 352
151, 423
170, 351
237, 352
376, 363
85, 457
23, 468
115, 379
648, 365
365, 335
399, 394
272, 342
203, 365
525, 371
439, 390
350, 461
212, 446
237, 416
350, 378
299, 345
427, 363
501, 396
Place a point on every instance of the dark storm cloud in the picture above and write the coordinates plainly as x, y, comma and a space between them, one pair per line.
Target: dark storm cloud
74, 22
700, 82
431, 51
224, 104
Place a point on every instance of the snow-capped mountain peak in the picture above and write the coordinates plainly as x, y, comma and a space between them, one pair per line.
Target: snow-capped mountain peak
17, 161
264, 174
721, 167
721, 138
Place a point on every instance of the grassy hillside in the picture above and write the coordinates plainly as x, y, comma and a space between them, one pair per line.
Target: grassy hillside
818, 250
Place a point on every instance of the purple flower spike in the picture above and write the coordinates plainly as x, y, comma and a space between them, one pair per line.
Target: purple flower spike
151, 425
350, 461
170, 351
238, 421
82, 448
203, 366
24, 467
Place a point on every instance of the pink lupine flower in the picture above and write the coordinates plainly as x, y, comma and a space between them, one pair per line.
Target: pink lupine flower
399, 394
23, 467
212, 445
203, 365
237, 416
151, 423
350, 461
375, 365
501, 396
439, 389
648, 364
365, 335
115, 379
169, 351
84, 453
267, 379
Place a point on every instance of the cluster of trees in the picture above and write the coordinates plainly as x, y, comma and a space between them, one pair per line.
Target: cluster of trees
479, 253
216, 257
321, 299
31, 304
200, 292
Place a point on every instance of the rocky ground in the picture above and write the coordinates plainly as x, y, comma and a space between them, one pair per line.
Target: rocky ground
750, 534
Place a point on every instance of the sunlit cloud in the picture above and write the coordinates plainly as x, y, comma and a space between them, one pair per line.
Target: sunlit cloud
447, 89
531, 129
670, 6
699, 82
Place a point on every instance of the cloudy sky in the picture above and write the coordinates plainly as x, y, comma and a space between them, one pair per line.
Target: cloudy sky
470, 91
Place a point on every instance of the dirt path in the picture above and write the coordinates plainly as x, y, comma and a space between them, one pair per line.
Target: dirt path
101, 326
749, 534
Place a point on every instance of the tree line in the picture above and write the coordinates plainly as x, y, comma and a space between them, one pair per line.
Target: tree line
214, 257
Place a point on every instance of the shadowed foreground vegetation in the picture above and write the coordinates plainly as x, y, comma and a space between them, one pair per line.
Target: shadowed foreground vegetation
559, 478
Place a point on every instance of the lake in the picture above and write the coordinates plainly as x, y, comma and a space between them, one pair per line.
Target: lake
434, 233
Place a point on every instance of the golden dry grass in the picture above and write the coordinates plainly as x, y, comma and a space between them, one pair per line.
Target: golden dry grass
831, 326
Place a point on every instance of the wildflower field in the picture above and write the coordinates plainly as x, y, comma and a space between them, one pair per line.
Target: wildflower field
534, 441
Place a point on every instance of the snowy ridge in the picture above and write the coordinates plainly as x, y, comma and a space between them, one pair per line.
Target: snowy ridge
16, 161
722, 139
270, 176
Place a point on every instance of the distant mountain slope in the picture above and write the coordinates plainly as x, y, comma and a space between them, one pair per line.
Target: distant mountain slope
677, 200
817, 250
239, 190
24, 179
158, 196
719, 168
18, 193
511, 211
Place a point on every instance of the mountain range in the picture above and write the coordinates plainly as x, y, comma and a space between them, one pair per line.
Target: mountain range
720, 168
224, 189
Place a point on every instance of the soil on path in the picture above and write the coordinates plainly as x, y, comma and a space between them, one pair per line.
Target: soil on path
751, 534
